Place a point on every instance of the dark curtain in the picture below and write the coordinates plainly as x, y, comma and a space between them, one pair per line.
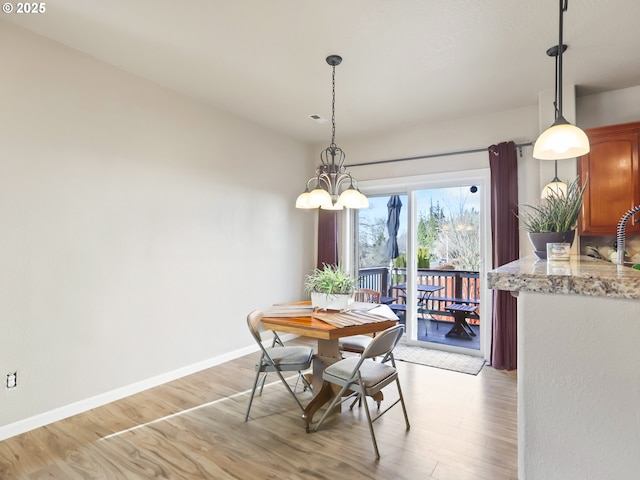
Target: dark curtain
503, 162
327, 237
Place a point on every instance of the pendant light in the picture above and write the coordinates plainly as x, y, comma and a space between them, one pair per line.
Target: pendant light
556, 187
331, 175
562, 139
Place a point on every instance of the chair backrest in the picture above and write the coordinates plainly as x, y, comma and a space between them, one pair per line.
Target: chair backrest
367, 295
254, 321
384, 342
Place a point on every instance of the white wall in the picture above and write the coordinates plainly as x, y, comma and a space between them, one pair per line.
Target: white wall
465, 134
138, 230
520, 126
609, 108
578, 391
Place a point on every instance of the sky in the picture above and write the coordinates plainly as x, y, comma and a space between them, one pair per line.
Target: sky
449, 198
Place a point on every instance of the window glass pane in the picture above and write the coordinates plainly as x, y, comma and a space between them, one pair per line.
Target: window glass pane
448, 228
374, 233
447, 242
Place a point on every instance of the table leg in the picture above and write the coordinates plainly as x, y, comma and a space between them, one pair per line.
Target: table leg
324, 394
328, 352
426, 311
460, 327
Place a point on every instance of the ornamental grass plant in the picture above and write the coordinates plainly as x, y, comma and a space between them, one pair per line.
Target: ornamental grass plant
557, 213
330, 280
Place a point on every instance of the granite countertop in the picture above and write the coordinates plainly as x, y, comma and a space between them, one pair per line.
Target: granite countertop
581, 275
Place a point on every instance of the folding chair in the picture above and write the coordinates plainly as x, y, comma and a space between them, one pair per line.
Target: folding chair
367, 295
366, 377
278, 358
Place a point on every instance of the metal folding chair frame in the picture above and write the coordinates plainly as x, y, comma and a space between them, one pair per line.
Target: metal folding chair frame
267, 364
381, 345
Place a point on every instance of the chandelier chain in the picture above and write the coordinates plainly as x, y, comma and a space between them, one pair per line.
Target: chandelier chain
333, 107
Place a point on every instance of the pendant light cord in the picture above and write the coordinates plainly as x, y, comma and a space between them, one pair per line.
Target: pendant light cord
555, 100
564, 4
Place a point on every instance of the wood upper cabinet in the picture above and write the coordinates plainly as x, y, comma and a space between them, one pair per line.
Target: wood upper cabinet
613, 174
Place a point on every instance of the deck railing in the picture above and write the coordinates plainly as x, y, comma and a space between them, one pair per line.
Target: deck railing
460, 286
376, 278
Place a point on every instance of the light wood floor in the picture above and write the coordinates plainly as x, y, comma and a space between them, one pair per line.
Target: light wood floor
463, 427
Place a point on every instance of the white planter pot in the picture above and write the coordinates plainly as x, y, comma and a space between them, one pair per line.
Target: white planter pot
323, 301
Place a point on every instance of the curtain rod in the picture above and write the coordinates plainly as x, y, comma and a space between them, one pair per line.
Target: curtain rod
435, 155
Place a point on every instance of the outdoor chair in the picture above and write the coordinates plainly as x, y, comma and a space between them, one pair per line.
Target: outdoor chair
365, 377
367, 295
357, 343
278, 358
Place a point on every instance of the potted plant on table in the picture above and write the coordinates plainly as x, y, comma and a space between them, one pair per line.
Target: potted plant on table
330, 287
554, 219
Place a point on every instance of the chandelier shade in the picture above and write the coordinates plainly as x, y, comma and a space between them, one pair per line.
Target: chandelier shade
333, 186
319, 196
303, 200
561, 140
352, 198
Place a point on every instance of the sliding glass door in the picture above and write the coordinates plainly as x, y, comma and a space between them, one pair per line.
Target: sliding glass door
433, 278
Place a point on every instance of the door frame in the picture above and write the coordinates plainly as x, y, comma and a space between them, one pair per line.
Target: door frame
408, 186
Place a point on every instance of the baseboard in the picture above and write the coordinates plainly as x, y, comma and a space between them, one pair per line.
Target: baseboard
42, 419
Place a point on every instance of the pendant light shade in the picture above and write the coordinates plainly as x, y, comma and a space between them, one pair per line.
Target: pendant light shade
561, 140
554, 189
332, 176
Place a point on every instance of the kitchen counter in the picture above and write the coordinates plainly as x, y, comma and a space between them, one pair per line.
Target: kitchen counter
581, 275
578, 367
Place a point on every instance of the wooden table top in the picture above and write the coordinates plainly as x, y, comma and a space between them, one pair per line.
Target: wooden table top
308, 326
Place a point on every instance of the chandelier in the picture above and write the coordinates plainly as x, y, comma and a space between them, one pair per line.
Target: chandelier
561, 140
333, 186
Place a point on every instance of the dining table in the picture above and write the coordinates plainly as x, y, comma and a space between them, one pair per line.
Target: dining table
326, 327
425, 294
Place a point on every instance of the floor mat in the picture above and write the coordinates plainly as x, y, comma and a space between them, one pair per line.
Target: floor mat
456, 362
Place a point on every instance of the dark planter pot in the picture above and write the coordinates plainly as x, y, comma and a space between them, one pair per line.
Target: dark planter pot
540, 240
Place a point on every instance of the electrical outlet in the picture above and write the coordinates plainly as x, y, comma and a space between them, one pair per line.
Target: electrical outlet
12, 380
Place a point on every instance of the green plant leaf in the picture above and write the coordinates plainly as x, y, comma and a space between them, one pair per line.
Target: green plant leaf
331, 280
557, 213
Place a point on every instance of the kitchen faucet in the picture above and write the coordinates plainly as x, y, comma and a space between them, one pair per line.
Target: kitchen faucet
621, 236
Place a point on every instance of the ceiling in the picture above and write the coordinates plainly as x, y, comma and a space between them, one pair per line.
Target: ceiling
405, 61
